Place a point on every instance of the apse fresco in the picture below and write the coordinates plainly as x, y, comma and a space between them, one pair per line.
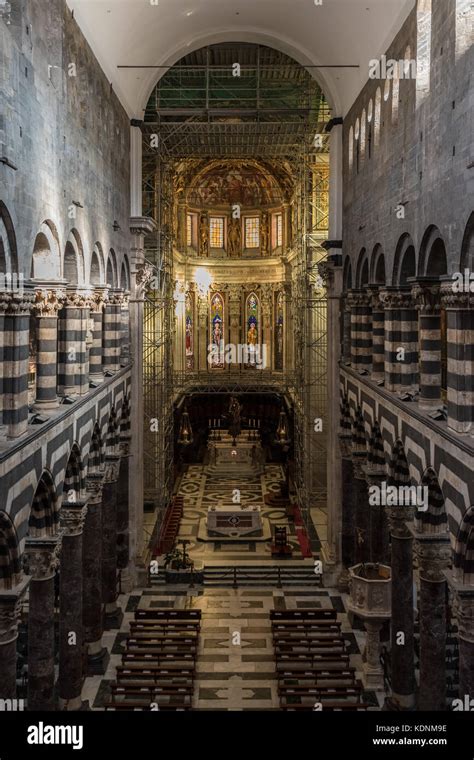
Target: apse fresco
244, 185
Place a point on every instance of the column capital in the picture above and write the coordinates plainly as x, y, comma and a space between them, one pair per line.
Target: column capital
426, 294
398, 517
99, 298
374, 474
112, 464
355, 298
124, 446
396, 298
72, 516
48, 302
463, 606
145, 272
453, 297
433, 551
76, 299
16, 303
115, 297
10, 608
373, 291
94, 488
41, 557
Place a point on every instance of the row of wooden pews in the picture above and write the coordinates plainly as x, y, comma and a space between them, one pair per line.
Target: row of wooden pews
312, 663
170, 525
159, 665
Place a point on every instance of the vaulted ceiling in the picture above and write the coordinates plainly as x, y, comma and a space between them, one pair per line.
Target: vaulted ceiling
137, 33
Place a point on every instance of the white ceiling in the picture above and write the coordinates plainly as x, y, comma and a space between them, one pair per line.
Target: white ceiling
135, 32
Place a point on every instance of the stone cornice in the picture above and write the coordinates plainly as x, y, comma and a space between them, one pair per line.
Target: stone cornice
142, 225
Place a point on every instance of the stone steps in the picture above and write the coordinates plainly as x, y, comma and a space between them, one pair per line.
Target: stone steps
254, 576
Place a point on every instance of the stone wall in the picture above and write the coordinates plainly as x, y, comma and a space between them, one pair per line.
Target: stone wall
68, 135
423, 159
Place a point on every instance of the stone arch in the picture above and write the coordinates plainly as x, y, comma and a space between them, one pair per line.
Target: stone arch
376, 452
377, 116
399, 469
111, 276
405, 261
96, 454
125, 274
377, 266
44, 513
363, 127
467, 247
347, 275
351, 148
73, 266
10, 560
346, 422
362, 270
432, 259
112, 435
74, 478
46, 259
395, 94
125, 418
435, 518
359, 436
463, 554
97, 270
8, 249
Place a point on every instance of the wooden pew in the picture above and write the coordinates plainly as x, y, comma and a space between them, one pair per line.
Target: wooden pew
168, 615
156, 673
303, 615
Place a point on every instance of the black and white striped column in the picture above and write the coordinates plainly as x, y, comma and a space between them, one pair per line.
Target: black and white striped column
112, 331
73, 379
401, 340
460, 329
378, 336
361, 329
96, 369
16, 307
125, 330
426, 294
46, 308
346, 331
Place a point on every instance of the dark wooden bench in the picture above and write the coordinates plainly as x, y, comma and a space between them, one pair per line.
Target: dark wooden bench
291, 636
329, 707
156, 672
153, 692
162, 660
168, 615
309, 647
147, 634
320, 691
299, 625
143, 704
150, 686
310, 660
316, 614
303, 670
162, 646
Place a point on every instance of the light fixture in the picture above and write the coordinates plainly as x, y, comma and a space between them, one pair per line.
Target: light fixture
116, 226
282, 436
7, 162
185, 437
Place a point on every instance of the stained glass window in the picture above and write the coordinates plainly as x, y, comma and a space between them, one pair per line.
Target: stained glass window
252, 232
216, 229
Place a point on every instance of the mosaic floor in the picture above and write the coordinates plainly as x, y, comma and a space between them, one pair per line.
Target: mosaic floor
235, 666
202, 489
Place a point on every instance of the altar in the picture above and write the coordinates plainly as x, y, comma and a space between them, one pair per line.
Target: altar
234, 521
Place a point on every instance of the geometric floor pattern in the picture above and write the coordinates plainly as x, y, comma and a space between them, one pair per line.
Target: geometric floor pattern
235, 665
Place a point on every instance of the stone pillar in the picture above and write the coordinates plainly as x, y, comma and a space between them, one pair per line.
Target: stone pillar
463, 609
73, 317
266, 353
72, 516
378, 337
96, 370
10, 609
346, 331
15, 306
402, 638
141, 274
46, 309
426, 294
203, 311
362, 539
460, 326
112, 330
235, 318
113, 613
433, 553
379, 531
93, 616
401, 340
125, 331
123, 510
347, 509
41, 562
361, 329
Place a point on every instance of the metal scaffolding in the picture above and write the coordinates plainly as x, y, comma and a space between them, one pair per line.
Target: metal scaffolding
275, 111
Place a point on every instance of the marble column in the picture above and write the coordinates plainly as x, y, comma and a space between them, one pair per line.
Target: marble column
125, 330
402, 632
426, 295
235, 318
72, 517
346, 331
46, 308
93, 616
113, 613
123, 509
16, 306
378, 336
401, 339
362, 542
379, 531
73, 317
463, 609
203, 312
347, 508
112, 330
98, 301
10, 609
460, 327
433, 552
41, 562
